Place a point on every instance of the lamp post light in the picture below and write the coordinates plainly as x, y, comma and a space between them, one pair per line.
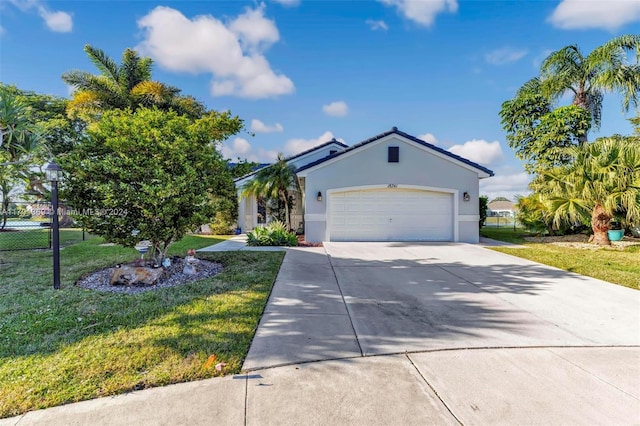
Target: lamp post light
54, 175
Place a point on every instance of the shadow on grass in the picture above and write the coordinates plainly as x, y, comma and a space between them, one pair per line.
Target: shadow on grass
75, 344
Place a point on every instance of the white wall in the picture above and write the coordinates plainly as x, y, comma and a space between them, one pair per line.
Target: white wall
247, 207
368, 165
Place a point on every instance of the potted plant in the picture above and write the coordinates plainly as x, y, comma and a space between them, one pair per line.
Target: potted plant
616, 233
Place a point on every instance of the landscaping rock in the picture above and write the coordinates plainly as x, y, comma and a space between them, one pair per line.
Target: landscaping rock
135, 276
172, 276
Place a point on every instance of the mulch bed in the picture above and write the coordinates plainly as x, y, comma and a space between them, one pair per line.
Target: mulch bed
173, 276
303, 243
581, 241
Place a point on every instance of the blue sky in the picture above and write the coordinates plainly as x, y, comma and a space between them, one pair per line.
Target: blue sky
301, 72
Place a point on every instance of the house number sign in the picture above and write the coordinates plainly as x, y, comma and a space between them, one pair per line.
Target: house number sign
392, 185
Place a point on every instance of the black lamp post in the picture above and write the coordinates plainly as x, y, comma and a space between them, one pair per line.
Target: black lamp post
54, 175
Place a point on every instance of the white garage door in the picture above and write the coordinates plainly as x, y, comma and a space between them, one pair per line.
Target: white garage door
392, 214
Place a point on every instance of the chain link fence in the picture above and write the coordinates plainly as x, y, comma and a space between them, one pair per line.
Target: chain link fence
27, 226
502, 222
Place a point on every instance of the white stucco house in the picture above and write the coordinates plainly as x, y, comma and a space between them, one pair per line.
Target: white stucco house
391, 187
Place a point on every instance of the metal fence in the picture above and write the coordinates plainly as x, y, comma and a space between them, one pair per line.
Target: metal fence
27, 226
502, 222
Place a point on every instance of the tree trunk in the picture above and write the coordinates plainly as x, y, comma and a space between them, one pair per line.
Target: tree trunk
286, 209
600, 221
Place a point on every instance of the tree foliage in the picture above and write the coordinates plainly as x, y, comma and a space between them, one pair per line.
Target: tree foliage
152, 171
588, 77
122, 86
277, 183
603, 178
533, 214
541, 133
21, 149
483, 206
47, 114
242, 167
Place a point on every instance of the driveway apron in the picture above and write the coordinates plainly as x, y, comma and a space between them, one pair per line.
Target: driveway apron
385, 298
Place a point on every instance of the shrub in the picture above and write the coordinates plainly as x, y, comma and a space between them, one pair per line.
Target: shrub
274, 234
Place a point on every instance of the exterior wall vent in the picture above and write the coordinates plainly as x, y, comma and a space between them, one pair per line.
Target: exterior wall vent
394, 154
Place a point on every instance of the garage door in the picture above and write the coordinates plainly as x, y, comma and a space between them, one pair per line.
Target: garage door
392, 214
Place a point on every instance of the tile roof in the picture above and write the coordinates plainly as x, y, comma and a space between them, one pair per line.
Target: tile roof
395, 130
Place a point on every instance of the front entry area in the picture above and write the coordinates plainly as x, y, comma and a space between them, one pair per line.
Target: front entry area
391, 214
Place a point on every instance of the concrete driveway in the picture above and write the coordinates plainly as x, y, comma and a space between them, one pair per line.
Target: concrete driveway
385, 298
412, 334
462, 333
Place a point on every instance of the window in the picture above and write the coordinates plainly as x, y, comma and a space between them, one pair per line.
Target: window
394, 154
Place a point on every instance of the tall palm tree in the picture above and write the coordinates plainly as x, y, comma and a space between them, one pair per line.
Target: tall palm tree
603, 179
276, 182
121, 86
587, 78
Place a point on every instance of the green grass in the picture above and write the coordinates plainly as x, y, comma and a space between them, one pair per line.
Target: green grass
74, 344
37, 238
505, 234
615, 266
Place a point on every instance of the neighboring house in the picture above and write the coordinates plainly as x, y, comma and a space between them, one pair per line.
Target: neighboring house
501, 208
391, 187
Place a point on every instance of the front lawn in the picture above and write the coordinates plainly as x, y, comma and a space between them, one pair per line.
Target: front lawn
615, 266
74, 344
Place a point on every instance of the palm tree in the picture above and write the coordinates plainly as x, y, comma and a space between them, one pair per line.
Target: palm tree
127, 85
276, 182
587, 78
20, 147
603, 179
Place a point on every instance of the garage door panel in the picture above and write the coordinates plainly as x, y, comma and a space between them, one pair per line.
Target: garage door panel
391, 215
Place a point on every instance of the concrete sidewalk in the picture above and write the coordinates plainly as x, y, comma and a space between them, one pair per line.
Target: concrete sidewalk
238, 242
587, 386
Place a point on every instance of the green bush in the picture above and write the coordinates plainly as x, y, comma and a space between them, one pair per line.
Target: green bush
223, 224
274, 234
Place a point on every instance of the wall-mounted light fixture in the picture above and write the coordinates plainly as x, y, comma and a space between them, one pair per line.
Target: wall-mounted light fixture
466, 196
319, 197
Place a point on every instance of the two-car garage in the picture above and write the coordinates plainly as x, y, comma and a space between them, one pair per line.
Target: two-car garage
390, 214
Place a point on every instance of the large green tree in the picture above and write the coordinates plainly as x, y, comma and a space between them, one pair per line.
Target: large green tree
603, 178
149, 170
276, 182
125, 85
587, 78
541, 133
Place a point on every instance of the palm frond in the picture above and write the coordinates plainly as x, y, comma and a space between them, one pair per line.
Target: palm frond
107, 66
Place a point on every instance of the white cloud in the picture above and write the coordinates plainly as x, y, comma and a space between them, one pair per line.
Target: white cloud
288, 3
296, 146
259, 127
429, 138
377, 25
581, 14
241, 148
505, 185
231, 52
336, 109
60, 22
2, 30
422, 12
57, 21
479, 151
504, 55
